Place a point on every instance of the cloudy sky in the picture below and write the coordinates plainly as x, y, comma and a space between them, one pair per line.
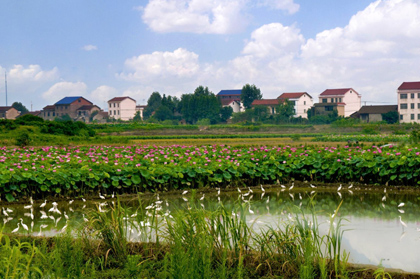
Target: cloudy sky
102, 49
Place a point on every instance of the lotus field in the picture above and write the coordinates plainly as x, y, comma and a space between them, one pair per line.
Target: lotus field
75, 171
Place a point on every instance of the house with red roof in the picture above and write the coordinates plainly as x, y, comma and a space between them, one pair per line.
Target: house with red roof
301, 100
409, 102
271, 104
346, 98
123, 108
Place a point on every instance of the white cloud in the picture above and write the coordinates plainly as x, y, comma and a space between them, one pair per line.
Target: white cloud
64, 89
32, 73
103, 94
196, 16
274, 39
89, 47
287, 5
162, 65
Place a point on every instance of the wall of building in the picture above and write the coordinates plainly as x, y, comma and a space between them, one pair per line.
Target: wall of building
353, 103
409, 106
302, 105
124, 110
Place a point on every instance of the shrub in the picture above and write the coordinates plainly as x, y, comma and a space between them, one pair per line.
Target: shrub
23, 138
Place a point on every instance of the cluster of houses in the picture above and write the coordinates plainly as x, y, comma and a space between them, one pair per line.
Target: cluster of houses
346, 101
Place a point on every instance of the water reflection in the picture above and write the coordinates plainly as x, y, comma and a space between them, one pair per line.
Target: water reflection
374, 233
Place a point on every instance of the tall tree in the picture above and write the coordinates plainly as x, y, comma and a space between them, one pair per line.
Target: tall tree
202, 104
155, 100
20, 107
250, 93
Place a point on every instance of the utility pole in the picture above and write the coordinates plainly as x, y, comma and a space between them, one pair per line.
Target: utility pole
5, 84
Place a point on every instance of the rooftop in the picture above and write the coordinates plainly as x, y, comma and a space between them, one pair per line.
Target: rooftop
230, 92
293, 95
413, 85
265, 102
336, 92
119, 99
69, 100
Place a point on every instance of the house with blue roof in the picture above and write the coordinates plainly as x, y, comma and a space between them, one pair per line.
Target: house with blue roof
231, 98
67, 105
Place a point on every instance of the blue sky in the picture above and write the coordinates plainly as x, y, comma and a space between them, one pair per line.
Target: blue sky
102, 49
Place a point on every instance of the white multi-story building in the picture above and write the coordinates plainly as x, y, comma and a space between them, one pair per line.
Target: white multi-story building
123, 108
347, 97
301, 100
409, 102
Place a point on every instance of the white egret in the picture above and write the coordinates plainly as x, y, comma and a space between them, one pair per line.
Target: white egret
339, 188
282, 186
313, 192
65, 215
300, 196
31, 200
63, 229
402, 223
401, 211
83, 200
54, 209
250, 210
262, 189
100, 196
384, 198
351, 186
291, 187
43, 204
84, 218
292, 196
5, 212
401, 204
43, 226
202, 198
312, 186
218, 191
9, 210
239, 190
250, 190
28, 206
23, 225
185, 192
134, 215
340, 195
70, 202
15, 230
351, 192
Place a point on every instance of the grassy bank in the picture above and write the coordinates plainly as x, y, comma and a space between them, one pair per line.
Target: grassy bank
193, 243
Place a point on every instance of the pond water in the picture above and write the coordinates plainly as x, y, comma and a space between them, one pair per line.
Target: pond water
373, 230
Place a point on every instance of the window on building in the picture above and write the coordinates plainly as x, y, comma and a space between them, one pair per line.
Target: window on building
418, 95
418, 105
110, 105
418, 116
114, 105
339, 99
304, 111
403, 96
118, 112
53, 113
324, 100
48, 113
328, 108
412, 95
412, 106
412, 116
401, 117
403, 106
304, 103
114, 113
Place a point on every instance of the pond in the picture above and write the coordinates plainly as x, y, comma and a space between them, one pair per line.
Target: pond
381, 225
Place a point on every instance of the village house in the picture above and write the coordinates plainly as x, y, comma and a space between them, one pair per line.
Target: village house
84, 113
123, 108
271, 104
369, 114
345, 100
100, 117
302, 102
8, 113
409, 102
231, 98
140, 109
48, 112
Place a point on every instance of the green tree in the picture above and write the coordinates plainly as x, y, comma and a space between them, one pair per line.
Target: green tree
199, 105
225, 113
250, 93
390, 117
155, 101
137, 117
163, 113
20, 107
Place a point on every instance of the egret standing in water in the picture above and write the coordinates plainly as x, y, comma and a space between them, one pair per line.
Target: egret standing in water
23, 225
15, 230
402, 223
